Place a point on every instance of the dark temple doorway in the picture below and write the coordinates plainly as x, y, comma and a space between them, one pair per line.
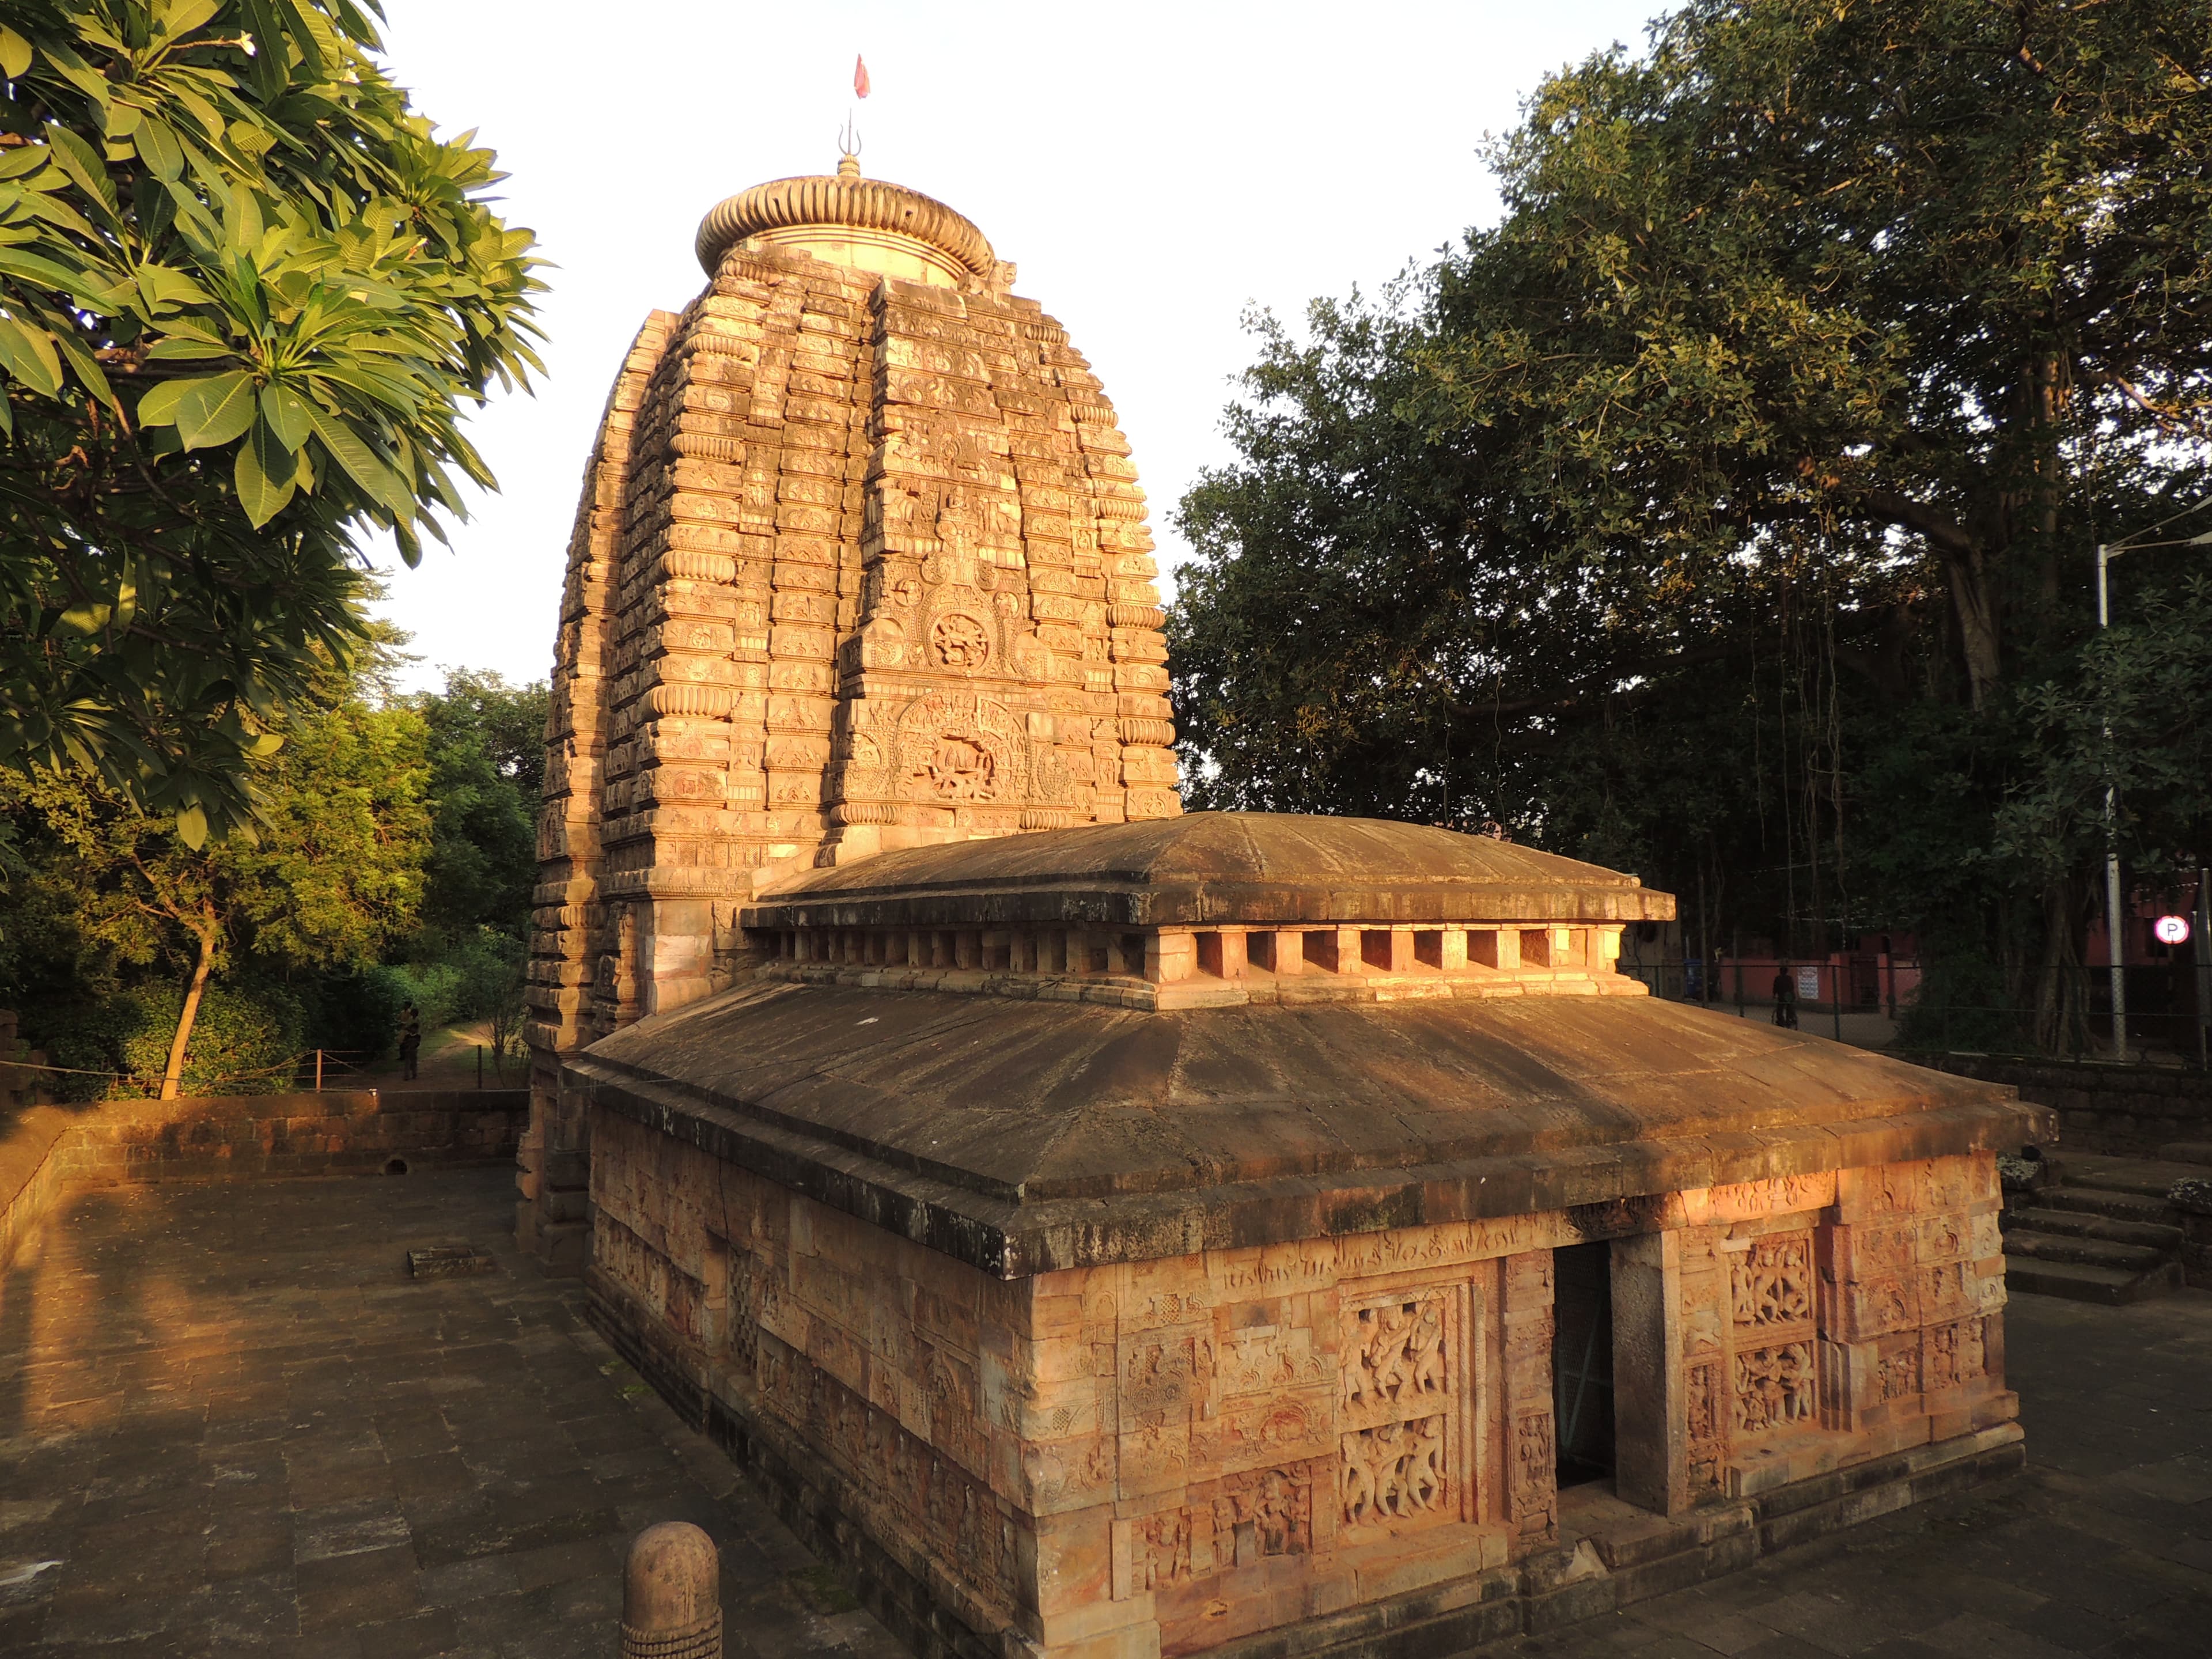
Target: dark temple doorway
1582, 1361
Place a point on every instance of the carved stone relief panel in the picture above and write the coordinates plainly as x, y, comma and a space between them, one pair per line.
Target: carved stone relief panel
1707, 1319
1897, 1366
1531, 1471
1281, 1360
959, 641
956, 750
1239, 1521
1534, 1479
1772, 1282
1162, 1374
1160, 1550
1404, 1406
1774, 1388
1952, 1355
1771, 1308
1707, 1422
1395, 1360
1266, 1512
1395, 1472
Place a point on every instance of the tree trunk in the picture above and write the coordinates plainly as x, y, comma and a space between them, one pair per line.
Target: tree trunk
1971, 604
2060, 1022
189, 1012
2049, 394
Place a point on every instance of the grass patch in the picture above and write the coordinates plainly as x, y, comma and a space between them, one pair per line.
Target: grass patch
821, 1590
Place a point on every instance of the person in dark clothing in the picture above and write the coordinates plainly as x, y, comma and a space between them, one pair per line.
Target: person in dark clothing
411, 1040
1785, 997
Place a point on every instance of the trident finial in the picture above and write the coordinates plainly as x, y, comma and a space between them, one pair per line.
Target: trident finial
848, 141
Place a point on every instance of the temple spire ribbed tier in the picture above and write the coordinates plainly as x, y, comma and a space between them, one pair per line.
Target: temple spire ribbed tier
861, 564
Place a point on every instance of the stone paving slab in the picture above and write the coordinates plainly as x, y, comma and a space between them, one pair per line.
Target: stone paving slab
2103, 1547
230, 1424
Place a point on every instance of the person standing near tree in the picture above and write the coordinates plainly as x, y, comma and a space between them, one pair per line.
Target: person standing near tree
411, 1040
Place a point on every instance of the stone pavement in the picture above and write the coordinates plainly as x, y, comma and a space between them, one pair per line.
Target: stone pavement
2103, 1546
230, 1424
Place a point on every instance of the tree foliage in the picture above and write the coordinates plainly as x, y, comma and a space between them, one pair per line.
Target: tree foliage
394, 863
335, 875
246, 296
1727, 510
486, 757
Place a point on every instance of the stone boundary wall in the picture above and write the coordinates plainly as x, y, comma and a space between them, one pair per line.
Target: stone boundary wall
48, 1150
2122, 1111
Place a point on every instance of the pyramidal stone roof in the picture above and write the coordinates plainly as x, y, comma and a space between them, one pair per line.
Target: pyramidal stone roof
1218, 867
1027, 1054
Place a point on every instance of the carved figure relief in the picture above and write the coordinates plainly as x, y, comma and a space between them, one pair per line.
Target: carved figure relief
963, 770
1394, 1471
1401, 1370
1535, 1473
1954, 1354
1284, 1359
1772, 1283
1774, 1388
1900, 1372
1160, 1550
959, 641
1246, 1519
1394, 1354
958, 751
1707, 1427
1267, 1512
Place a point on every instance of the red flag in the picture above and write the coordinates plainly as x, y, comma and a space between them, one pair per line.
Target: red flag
860, 77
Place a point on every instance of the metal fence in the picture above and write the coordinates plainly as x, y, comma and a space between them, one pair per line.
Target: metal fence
1878, 1002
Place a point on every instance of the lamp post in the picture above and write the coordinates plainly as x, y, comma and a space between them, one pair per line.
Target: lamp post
2106, 552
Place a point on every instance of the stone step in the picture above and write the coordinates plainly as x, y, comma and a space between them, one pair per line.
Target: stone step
2084, 1223
2121, 1207
2086, 1252
2151, 1176
2085, 1284
2187, 1152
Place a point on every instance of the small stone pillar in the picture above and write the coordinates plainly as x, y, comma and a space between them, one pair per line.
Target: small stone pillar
672, 1594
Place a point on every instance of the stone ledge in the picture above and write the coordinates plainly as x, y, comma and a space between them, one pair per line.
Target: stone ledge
2123, 1110
47, 1150
1128, 991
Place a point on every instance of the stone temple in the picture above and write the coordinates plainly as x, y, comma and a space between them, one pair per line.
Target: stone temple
1113, 1232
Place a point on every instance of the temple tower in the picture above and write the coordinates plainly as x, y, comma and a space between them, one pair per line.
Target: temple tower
860, 564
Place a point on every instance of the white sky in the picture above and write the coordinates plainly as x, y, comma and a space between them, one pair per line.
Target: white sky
1154, 169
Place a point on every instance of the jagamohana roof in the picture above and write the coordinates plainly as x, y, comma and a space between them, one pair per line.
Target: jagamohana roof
1026, 1135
